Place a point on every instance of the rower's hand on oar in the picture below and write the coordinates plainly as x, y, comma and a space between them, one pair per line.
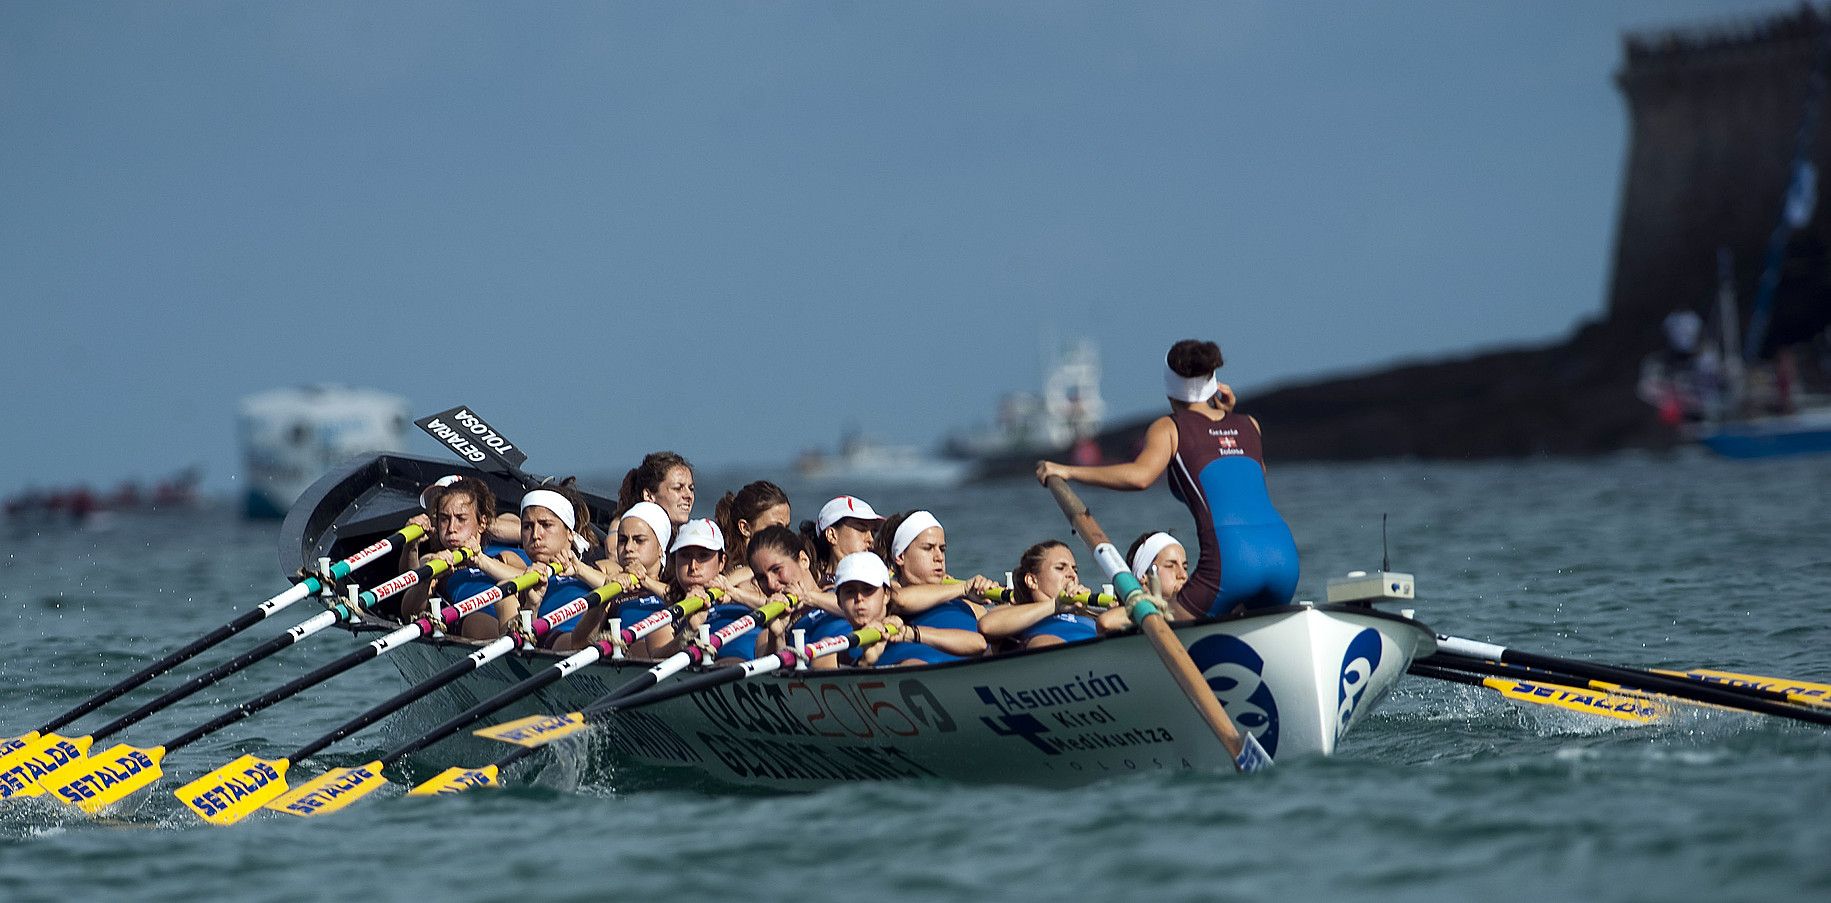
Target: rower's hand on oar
979, 588
424, 522
1065, 602
1047, 469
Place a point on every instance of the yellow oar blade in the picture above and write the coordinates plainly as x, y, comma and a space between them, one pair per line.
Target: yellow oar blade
102, 780
458, 780
535, 730
1800, 692
1609, 705
13, 745
236, 790
28, 764
330, 791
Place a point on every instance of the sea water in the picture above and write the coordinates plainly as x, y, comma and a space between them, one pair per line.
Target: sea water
1445, 793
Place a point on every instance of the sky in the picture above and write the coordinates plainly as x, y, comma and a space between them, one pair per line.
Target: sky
740, 229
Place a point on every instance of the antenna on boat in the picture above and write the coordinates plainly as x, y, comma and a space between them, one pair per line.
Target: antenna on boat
1385, 555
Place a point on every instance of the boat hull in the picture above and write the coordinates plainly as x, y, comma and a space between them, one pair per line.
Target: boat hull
1298, 678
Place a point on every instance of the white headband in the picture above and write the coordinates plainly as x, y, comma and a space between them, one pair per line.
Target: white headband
561, 508
907, 531
1192, 389
1148, 551
657, 520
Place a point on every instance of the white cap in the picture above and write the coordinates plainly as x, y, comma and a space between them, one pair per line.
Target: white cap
440, 483
702, 532
861, 567
657, 520
841, 508
907, 531
561, 508
1148, 551
1192, 389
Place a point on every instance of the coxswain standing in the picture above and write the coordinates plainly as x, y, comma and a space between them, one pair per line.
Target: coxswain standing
1217, 468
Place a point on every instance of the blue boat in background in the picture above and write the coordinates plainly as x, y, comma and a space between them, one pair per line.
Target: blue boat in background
1804, 432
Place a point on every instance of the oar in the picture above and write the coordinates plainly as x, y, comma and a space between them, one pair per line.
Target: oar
339, 787
102, 780
551, 727
22, 777
1088, 598
1621, 706
37, 741
1243, 748
458, 778
1799, 692
1459, 652
240, 788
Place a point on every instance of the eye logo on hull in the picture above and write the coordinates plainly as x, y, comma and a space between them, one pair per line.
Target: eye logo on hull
1236, 674
1358, 663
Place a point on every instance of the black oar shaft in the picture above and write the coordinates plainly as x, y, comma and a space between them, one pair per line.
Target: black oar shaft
473, 714
246, 620
210, 677
284, 691
693, 684
450, 673
1651, 683
242, 622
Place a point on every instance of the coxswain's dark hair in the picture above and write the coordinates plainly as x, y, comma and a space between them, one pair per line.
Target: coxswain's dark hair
480, 495
778, 539
1190, 358
647, 477
747, 504
1031, 563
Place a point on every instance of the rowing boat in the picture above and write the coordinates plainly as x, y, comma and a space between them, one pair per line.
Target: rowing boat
1298, 677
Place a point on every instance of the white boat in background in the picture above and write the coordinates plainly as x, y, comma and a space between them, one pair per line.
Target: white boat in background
291, 437
1060, 423
864, 462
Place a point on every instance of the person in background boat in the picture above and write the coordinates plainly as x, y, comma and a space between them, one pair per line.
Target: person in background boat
1217, 468
1039, 613
460, 509
923, 594
739, 516
783, 564
642, 537
664, 478
845, 525
863, 586
555, 531
1160, 562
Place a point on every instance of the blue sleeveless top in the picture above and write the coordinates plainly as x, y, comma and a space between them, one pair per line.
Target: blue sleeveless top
1247, 558
463, 583
1071, 628
953, 615
635, 608
744, 645
561, 590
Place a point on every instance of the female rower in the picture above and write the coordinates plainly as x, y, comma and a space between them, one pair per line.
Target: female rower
739, 516
695, 561
1159, 562
1040, 613
924, 595
664, 478
845, 525
460, 508
642, 537
780, 559
863, 586
1217, 468
551, 521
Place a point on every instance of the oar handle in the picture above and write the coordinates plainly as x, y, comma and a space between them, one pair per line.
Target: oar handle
1245, 755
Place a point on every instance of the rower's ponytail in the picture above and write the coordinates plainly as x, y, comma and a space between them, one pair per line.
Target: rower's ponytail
747, 504
822, 552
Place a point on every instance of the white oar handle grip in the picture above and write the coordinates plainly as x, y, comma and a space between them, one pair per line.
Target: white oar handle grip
1470, 648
